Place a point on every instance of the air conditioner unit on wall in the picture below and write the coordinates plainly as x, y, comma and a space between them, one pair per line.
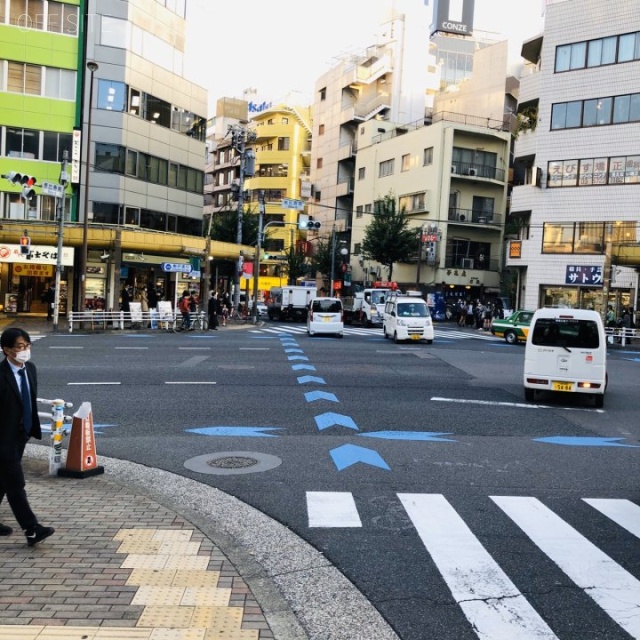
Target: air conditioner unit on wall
462, 217
472, 172
454, 169
467, 263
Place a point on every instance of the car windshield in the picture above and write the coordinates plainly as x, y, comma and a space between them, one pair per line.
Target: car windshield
566, 332
377, 297
412, 310
329, 306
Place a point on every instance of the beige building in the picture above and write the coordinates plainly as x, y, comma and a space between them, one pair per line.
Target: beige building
451, 178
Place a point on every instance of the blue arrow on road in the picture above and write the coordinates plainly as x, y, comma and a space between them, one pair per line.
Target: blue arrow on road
574, 441
244, 432
326, 420
349, 454
425, 436
311, 396
303, 367
308, 379
632, 359
297, 358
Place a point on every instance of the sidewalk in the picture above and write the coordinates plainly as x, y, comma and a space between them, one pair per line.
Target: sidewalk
143, 554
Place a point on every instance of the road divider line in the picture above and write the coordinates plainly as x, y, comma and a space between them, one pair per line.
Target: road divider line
519, 405
66, 347
187, 382
132, 348
78, 384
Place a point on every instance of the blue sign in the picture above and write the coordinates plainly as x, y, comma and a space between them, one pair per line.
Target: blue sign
577, 274
176, 267
258, 108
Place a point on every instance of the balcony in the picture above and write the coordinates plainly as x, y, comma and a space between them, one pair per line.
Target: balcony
475, 171
467, 264
471, 216
345, 186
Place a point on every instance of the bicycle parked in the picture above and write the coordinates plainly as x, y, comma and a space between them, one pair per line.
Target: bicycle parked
197, 321
238, 317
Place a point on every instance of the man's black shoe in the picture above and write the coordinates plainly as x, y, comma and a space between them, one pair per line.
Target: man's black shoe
38, 534
5, 530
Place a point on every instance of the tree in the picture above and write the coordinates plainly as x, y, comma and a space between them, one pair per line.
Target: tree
296, 265
224, 227
387, 239
321, 258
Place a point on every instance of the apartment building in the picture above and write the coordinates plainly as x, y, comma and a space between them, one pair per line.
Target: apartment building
451, 177
577, 164
105, 81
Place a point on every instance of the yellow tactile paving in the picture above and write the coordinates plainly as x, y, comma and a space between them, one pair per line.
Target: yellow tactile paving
228, 618
174, 616
141, 561
239, 634
127, 534
180, 547
187, 562
196, 578
12, 632
183, 535
140, 545
206, 597
178, 634
158, 596
154, 578
117, 633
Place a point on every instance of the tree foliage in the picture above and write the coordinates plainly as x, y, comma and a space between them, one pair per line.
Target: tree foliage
296, 265
387, 239
224, 227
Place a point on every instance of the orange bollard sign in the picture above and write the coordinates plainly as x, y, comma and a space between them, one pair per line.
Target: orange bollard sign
82, 460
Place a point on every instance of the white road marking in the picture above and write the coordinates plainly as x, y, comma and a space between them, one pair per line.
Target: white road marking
623, 512
66, 347
332, 509
520, 405
604, 580
187, 382
133, 348
77, 384
490, 601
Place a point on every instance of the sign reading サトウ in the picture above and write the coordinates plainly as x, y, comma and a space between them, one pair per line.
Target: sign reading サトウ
584, 275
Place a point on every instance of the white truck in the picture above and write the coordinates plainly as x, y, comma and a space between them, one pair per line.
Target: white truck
366, 307
290, 303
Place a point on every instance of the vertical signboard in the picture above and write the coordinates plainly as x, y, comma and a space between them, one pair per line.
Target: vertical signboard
453, 16
76, 145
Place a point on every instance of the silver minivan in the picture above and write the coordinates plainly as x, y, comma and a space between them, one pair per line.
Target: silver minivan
325, 316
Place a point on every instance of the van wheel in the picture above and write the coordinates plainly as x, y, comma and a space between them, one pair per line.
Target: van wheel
598, 401
510, 337
528, 394
429, 341
395, 338
384, 333
341, 335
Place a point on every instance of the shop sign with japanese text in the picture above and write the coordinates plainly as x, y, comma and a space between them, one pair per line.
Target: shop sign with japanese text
39, 254
581, 275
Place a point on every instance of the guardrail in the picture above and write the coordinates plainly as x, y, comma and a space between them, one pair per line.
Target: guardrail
120, 319
621, 335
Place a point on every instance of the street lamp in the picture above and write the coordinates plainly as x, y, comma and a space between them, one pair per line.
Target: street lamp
93, 67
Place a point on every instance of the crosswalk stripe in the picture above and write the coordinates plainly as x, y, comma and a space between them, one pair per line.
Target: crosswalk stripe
332, 509
490, 601
377, 332
623, 512
612, 587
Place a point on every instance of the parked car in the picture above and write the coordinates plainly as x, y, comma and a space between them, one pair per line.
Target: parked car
513, 329
263, 312
326, 315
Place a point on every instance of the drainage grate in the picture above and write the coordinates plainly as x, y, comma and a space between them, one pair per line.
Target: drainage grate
234, 462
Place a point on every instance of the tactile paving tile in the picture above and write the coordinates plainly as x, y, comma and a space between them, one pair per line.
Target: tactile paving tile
174, 616
127, 534
158, 596
180, 547
140, 545
178, 634
227, 618
196, 578
116, 633
141, 561
240, 634
11, 632
165, 535
186, 562
206, 597
153, 578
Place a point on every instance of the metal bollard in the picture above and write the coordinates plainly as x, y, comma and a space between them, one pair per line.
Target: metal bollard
57, 431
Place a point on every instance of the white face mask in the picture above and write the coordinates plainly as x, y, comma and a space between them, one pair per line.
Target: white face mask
23, 356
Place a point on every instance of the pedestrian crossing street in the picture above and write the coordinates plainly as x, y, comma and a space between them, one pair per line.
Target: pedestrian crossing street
376, 332
489, 599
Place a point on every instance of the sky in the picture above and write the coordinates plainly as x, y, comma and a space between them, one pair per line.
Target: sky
279, 46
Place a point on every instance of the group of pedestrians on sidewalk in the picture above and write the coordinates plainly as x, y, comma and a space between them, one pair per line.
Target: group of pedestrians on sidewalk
478, 314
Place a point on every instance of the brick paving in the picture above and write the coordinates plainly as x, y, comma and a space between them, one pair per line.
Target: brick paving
118, 560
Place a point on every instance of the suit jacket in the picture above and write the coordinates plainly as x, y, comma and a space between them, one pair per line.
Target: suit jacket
11, 430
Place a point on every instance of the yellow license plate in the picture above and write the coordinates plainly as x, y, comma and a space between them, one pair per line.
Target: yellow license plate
563, 386
415, 336
326, 319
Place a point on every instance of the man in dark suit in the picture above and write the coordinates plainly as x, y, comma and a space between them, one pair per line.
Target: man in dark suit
18, 422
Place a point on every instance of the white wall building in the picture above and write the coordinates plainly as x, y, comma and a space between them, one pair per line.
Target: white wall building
577, 162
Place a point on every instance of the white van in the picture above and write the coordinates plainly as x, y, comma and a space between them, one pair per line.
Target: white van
567, 352
326, 315
407, 318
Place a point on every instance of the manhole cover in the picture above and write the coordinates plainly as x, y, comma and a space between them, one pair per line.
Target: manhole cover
226, 463
234, 462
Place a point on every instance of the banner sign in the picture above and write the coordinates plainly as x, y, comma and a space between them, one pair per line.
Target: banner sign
40, 254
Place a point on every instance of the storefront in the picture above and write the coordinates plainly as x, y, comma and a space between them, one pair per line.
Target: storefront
24, 279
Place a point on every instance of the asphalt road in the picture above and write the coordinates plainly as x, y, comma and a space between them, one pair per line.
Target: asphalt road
458, 509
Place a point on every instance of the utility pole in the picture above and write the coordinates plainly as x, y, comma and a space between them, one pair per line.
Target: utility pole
256, 266
60, 207
240, 137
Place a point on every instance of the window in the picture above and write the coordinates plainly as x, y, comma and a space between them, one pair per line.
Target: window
62, 18
557, 238
596, 53
361, 173
321, 130
596, 112
172, 180
132, 163
586, 172
22, 143
112, 96
386, 168
24, 78
589, 237
60, 83
132, 216
359, 211
427, 156
406, 162
110, 158
319, 163
115, 32
412, 202
284, 121
54, 144
283, 144
27, 14
323, 94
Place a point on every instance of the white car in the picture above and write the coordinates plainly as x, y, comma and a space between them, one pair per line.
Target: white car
326, 315
262, 311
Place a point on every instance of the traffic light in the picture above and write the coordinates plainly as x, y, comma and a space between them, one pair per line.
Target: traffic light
313, 225
28, 184
13, 177
25, 245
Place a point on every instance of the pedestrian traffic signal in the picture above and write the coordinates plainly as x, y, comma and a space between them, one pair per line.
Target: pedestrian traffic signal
28, 184
25, 245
